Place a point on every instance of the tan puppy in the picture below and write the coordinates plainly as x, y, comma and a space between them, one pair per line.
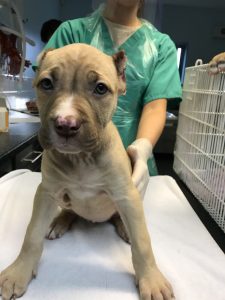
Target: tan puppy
85, 167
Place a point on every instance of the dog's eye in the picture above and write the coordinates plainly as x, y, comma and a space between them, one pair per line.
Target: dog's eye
46, 84
101, 89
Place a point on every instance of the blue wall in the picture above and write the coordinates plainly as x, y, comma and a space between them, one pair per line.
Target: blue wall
34, 15
195, 26
71, 9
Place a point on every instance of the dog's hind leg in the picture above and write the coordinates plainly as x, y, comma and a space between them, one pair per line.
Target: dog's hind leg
61, 224
119, 227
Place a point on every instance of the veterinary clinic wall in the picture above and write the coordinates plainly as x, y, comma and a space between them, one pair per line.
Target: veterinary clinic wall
34, 14
75, 9
195, 25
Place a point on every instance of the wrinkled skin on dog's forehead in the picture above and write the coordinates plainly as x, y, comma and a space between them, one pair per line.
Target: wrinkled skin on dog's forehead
81, 52
90, 57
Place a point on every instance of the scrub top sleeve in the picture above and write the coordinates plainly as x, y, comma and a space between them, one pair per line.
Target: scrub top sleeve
165, 81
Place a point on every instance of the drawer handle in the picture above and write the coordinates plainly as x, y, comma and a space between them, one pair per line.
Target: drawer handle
32, 156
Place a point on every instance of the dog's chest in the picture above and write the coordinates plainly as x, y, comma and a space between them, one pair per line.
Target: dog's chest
88, 182
86, 193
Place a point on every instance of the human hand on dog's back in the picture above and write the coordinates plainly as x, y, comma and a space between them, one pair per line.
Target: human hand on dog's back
217, 64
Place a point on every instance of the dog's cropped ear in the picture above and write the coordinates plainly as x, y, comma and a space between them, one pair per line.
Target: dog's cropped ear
40, 59
42, 55
120, 59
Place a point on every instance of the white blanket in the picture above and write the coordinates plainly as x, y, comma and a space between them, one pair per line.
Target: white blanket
92, 262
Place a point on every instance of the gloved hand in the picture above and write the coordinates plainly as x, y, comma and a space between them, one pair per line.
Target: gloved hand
139, 152
217, 64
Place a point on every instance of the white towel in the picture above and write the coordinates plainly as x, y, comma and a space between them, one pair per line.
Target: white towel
92, 262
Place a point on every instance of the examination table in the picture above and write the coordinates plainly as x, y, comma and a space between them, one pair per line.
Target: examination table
92, 262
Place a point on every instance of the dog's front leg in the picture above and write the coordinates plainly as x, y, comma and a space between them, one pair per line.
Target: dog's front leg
15, 278
152, 284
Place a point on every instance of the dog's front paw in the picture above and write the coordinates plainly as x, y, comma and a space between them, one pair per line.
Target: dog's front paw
14, 281
154, 286
120, 228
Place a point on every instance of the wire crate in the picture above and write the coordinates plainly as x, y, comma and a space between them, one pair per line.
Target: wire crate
199, 156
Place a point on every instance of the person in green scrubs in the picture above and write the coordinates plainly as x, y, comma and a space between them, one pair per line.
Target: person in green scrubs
151, 75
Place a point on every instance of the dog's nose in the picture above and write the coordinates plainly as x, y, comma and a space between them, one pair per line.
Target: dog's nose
67, 126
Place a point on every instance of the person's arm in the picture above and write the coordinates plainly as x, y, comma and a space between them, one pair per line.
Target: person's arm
152, 120
164, 84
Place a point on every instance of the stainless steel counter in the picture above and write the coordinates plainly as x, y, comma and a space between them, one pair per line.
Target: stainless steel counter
21, 117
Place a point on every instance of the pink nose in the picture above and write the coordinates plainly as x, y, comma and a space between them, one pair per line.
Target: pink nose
67, 126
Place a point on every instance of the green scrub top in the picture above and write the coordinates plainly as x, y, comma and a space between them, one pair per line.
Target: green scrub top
151, 71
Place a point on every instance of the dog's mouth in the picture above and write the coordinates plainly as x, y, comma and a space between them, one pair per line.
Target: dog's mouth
66, 143
75, 146
78, 138
51, 139
79, 142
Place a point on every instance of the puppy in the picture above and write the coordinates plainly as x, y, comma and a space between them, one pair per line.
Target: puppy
85, 168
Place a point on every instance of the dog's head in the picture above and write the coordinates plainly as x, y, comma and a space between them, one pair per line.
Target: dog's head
77, 88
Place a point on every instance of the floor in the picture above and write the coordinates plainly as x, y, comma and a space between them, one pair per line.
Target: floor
165, 167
